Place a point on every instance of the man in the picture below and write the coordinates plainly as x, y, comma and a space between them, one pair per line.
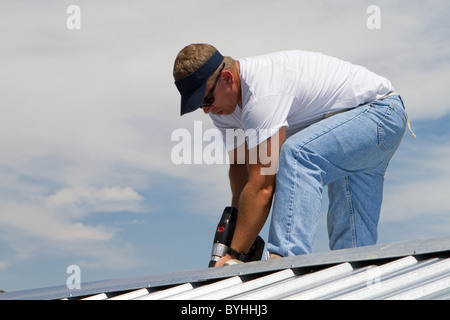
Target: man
337, 125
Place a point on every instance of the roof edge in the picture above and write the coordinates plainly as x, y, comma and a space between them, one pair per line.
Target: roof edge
375, 252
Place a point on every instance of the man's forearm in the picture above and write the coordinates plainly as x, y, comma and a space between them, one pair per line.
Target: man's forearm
238, 175
253, 204
256, 196
253, 211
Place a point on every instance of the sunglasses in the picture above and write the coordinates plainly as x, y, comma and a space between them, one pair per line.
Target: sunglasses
209, 99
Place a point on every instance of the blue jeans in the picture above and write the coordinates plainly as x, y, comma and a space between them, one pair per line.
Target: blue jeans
349, 153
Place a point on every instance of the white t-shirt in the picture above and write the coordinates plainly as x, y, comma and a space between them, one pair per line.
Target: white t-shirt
294, 89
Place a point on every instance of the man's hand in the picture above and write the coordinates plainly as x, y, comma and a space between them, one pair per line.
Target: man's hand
222, 260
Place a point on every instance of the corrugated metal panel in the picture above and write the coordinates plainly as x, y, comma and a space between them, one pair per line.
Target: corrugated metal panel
367, 277
415, 275
403, 278
249, 286
405, 270
164, 294
279, 290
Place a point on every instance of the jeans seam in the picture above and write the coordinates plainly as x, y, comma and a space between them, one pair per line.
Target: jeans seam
290, 213
398, 111
352, 214
380, 129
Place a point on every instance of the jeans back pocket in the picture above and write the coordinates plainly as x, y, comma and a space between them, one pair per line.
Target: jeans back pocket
390, 129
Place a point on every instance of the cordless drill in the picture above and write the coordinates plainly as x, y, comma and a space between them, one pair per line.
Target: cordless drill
224, 235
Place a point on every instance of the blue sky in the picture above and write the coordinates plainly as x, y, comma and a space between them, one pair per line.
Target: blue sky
86, 176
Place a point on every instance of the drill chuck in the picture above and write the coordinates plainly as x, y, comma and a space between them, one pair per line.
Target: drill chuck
217, 252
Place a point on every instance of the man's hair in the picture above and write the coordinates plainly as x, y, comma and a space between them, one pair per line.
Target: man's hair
193, 56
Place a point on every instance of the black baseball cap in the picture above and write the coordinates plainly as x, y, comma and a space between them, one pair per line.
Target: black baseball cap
193, 87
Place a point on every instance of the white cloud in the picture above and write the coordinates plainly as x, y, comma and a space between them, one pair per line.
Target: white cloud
420, 186
55, 227
32, 221
92, 196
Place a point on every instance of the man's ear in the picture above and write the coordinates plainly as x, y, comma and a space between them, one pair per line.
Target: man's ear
227, 76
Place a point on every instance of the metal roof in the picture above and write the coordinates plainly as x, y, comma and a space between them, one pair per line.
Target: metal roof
418, 269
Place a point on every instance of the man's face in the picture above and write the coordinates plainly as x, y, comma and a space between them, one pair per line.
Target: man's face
225, 95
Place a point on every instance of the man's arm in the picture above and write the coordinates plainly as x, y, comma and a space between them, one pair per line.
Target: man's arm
238, 175
256, 195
